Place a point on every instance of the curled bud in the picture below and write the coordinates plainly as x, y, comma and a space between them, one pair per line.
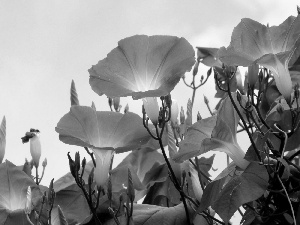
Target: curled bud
74, 96
152, 109
182, 116
209, 72
77, 161
168, 100
2, 138
83, 163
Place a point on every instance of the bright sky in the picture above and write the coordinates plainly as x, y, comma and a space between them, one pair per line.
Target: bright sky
46, 44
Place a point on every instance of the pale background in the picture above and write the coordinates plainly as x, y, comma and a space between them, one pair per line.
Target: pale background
46, 44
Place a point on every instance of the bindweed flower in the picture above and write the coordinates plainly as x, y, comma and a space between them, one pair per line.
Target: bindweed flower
152, 109
143, 67
174, 111
104, 133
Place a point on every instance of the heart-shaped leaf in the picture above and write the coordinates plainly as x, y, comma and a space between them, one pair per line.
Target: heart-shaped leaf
142, 66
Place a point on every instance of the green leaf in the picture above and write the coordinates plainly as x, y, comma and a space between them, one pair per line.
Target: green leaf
142, 66
13, 194
73, 204
247, 187
83, 126
223, 137
150, 214
2, 138
191, 145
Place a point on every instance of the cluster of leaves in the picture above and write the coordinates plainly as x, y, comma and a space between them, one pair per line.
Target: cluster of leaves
174, 186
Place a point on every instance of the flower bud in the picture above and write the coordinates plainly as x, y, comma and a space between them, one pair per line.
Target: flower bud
110, 102
93, 106
72, 166
195, 70
130, 189
35, 148
44, 164
74, 96
126, 108
205, 100
103, 161
253, 74
152, 109
2, 138
174, 111
116, 103
182, 116
199, 117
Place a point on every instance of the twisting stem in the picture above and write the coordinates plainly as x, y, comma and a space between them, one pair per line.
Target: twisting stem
244, 123
177, 185
288, 198
91, 154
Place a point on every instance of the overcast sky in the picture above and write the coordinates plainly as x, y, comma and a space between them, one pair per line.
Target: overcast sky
46, 44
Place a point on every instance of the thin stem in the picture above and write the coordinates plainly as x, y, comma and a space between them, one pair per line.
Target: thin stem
91, 154
293, 214
42, 175
177, 185
244, 123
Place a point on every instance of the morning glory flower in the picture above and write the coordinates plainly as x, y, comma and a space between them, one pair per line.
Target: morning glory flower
143, 66
104, 133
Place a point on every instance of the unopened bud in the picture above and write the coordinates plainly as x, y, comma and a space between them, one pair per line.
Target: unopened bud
109, 188
83, 163
126, 108
296, 91
44, 164
130, 189
91, 177
238, 96
199, 117
35, 148
206, 100
72, 165
182, 116
93, 106
116, 101
74, 96
209, 71
110, 102
280, 109
195, 70
77, 161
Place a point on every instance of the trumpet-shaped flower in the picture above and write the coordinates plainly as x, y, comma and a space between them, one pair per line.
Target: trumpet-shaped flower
104, 133
216, 133
275, 48
142, 66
